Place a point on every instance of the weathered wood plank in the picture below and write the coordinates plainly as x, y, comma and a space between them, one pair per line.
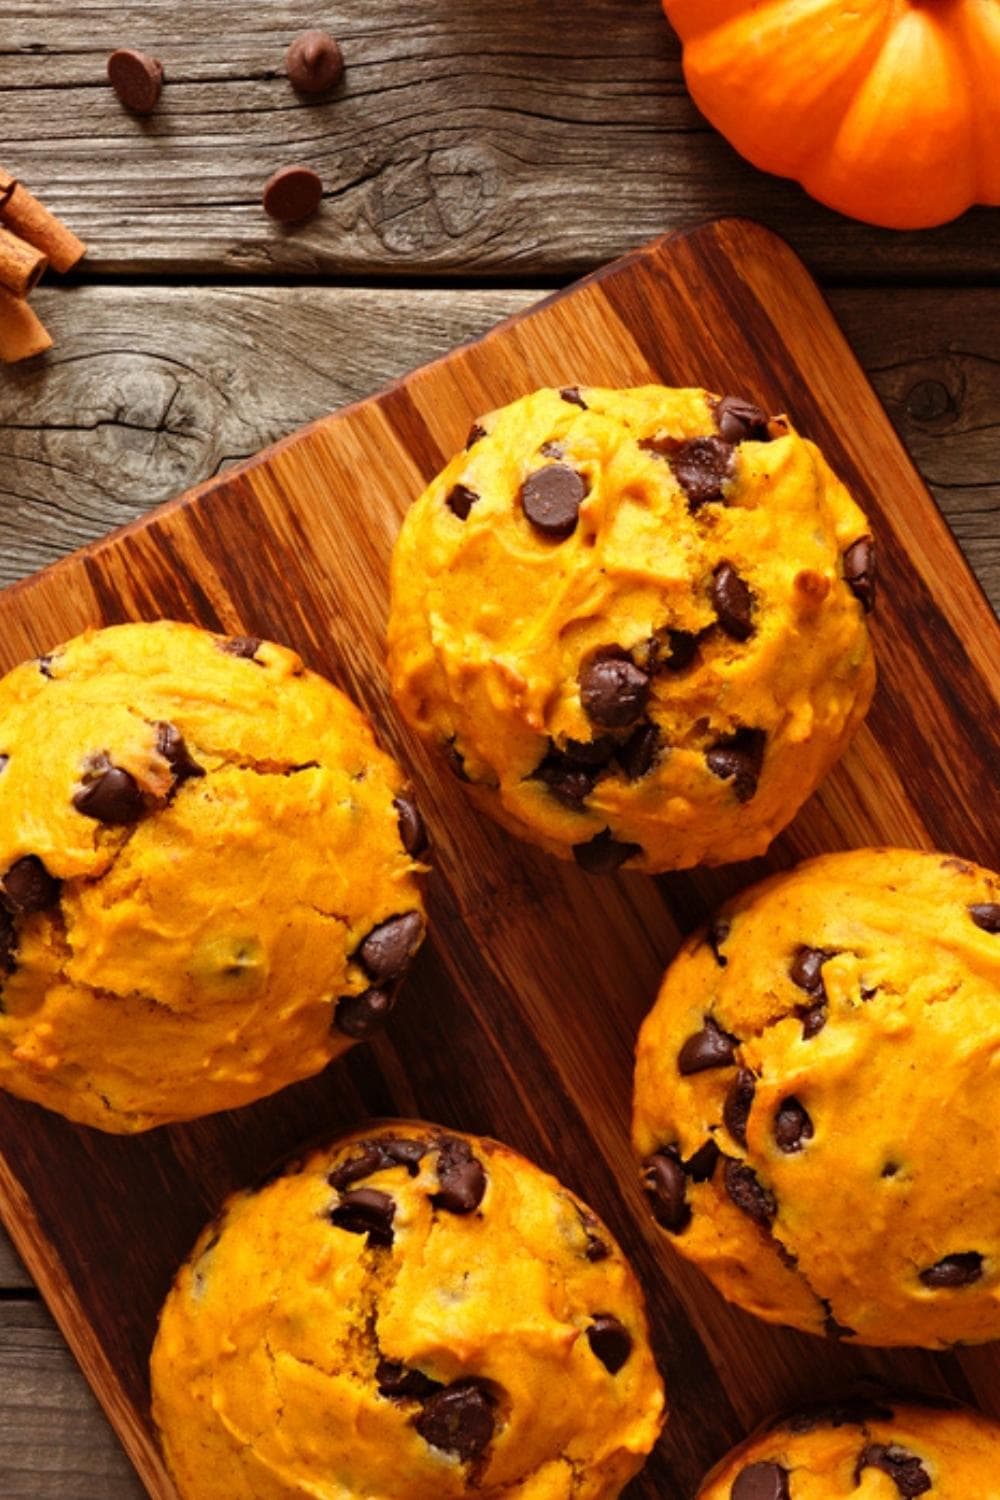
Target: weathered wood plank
151, 389
491, 136
54, 1441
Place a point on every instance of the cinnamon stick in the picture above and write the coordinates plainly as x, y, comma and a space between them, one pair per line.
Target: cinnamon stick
21, 265
22, 332
30, 220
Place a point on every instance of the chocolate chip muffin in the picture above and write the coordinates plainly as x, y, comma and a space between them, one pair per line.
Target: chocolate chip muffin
815, 1106
208, 875
413, 1315
634, 622
877, 1449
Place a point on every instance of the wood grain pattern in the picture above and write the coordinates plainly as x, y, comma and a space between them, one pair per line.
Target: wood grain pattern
471, 138
491, 1037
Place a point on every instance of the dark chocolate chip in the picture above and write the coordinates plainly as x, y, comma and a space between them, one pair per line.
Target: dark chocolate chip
292, 195
455, 759
28, 886
681, 650
597, 752
171, 745
411, 826
739, 758
245, 646
571, 393
610, 1341
597, 1249
701, 467
461, 1178
732, 602
361, 1016
904, 1469
701, 1166
45, 666
602, 854
890, 1169
613, 690
860, 571
718, 933
314, 62
395, 1380
986, 914
109, 795
738, 1104
665, 1184
476, 432
749, 1194
137, 79
459, 1419
8, 942
806, 970
740, 421
460, 500
954, 1270
569, 782
763, 1481
366, 1211
711, 1047
640, 752
405, 1152
389, 948
551, 500
792, 1125
370, 1158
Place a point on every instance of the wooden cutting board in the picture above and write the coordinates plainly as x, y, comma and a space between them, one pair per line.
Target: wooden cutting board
521, 1014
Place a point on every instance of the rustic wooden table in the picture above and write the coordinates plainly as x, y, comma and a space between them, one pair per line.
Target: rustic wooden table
479, 153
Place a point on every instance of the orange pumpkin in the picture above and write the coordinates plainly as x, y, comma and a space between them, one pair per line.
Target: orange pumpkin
888, 110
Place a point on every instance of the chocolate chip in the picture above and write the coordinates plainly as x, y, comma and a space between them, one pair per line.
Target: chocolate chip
711, 1047
571, 393
889, 1169
395, 1380
459, 1419
681, 650
665, 1185
460, 500
4, 763
405, 1152
732, 602
45, 666
749, 1194
314, 62
610, 1341
860, 571
701, 1166
245, 646
171, 745
455, 759
904, 1469
28, 887
954, 1271
602, 854
366, 1211
738, 1104
813, 1018
293, 194
613, 690
597, 1249
8, 942
986, 915
411, 826
461, 1178
109, 795
569, 782
718, 933
476, 433
761, 1482
551, 500
739, 758
389, 948
361, 1016
740, 421
370, 1158
806, 969
701, 467
137, 79
640, 752
597, 752
792, 1125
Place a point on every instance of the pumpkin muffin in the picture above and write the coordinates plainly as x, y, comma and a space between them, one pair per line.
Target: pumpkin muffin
413, 1315
207, 875
815, 1104
865, 1450
634, 622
